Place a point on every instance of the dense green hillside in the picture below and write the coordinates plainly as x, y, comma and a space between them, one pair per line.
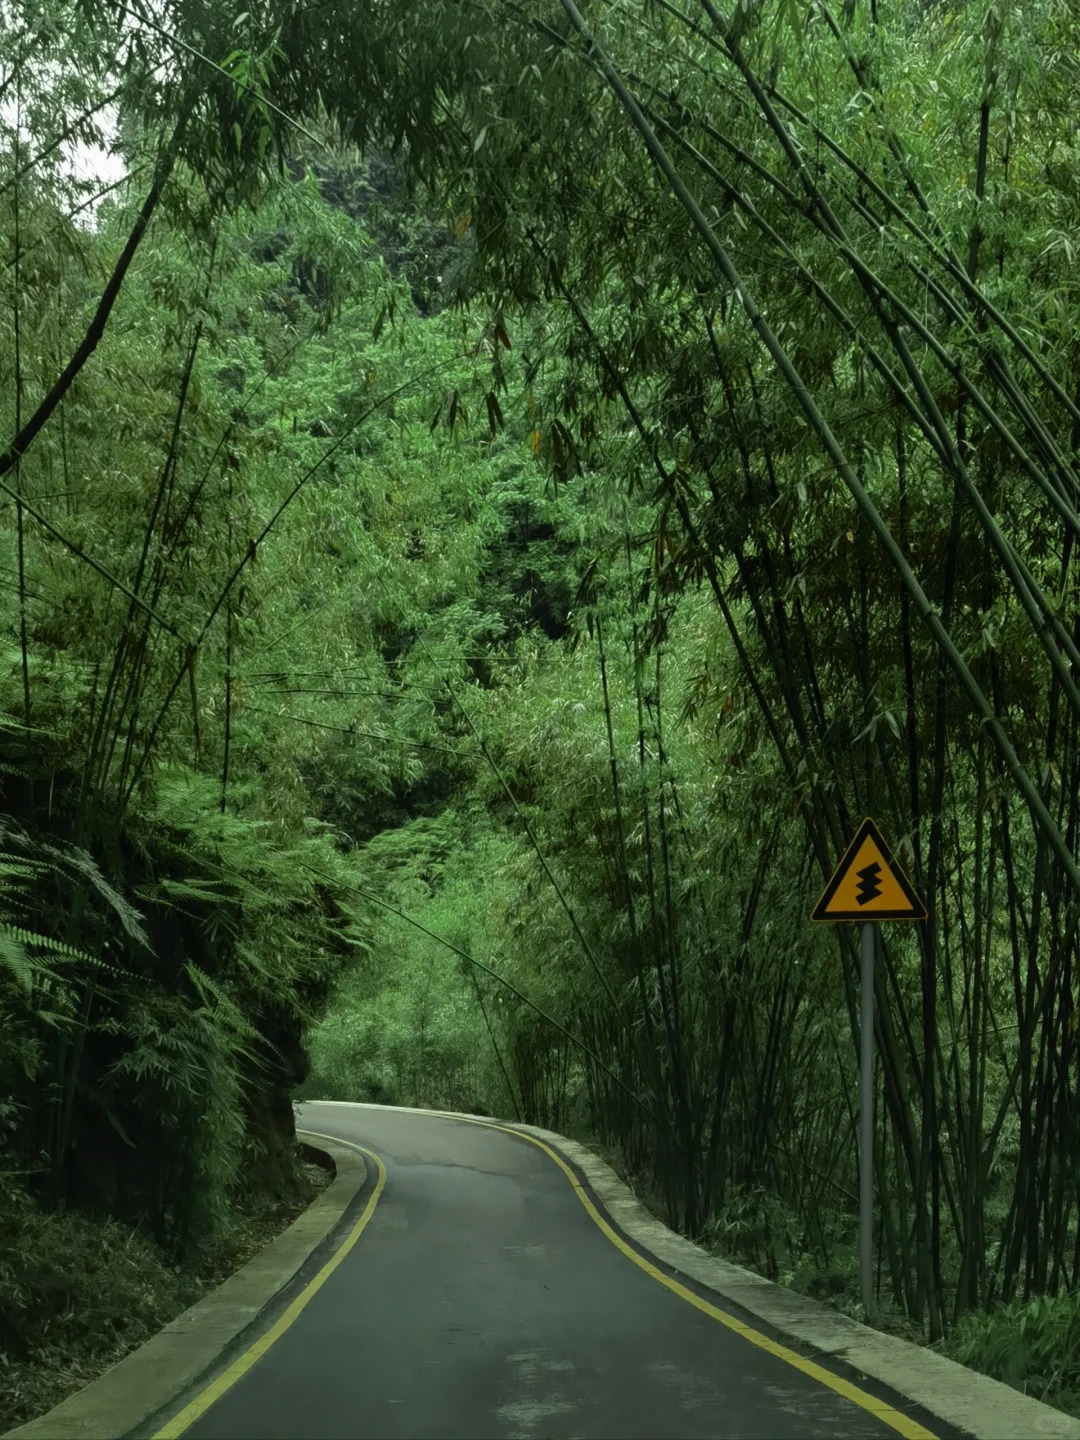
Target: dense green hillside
491, 499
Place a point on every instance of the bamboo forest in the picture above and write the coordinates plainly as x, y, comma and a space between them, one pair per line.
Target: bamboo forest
494, 492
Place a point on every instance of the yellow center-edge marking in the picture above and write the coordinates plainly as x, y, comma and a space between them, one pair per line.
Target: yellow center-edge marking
880, 1409
243, 1363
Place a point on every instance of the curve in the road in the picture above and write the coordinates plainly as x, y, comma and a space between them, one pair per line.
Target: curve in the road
480, 1307
254, 1353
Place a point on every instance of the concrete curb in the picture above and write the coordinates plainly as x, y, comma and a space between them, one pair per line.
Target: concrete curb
159, 1371
983, 1408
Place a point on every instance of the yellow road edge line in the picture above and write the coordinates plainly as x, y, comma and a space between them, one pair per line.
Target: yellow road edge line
243, 1363
880, 1409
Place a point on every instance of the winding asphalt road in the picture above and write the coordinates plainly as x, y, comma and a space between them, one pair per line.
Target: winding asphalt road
483, 1302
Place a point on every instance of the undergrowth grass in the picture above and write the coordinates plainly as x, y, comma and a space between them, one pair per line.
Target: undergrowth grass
78, 1294
1033, 1345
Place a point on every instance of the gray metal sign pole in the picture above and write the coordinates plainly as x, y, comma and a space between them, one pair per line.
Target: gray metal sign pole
882, 892
866, 1126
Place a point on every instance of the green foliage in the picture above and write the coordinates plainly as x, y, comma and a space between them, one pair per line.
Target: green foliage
406, 1027
94, 1281
575, 605
752, 1227
1032, 1345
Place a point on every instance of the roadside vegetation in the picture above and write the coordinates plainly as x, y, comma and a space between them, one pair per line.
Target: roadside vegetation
476, 544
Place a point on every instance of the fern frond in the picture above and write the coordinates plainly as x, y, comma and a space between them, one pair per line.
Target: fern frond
55, 1019
47, 945
14, 959
212, 892
227, 1016
21, 867
84, 865
209, 989
38, 860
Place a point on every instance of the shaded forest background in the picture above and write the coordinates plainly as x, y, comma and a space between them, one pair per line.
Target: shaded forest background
491, 499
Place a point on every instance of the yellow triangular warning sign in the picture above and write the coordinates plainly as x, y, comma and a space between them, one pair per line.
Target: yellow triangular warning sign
868, 884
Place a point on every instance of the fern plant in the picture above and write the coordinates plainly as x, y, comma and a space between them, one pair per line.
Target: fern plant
30, 866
